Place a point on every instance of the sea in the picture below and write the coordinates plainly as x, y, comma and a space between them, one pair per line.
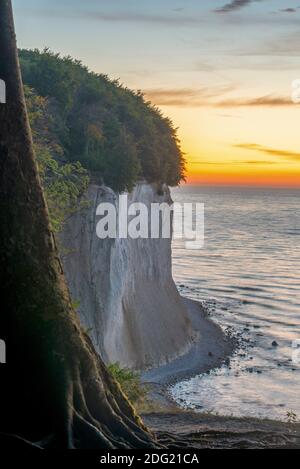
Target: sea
247, 275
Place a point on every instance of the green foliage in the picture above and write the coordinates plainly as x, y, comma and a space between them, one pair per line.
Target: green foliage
109, 129
63, 182
130, 383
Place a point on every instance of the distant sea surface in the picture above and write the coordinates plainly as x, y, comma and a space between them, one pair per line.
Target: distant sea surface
248, 276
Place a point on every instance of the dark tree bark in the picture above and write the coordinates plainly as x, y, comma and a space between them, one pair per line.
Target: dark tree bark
54, 391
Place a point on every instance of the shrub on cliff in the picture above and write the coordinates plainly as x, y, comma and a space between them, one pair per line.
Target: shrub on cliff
130, 383
111, 130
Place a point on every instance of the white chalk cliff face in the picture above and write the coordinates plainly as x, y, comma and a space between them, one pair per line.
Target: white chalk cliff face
127, 298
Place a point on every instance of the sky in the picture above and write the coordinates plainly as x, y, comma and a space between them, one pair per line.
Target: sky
222, 70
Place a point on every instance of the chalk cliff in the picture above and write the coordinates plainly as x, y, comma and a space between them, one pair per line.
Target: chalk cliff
127, 298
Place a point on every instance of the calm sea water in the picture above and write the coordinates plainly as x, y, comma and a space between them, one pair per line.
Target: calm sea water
248, 276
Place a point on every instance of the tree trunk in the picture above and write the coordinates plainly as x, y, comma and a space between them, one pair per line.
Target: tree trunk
54, 391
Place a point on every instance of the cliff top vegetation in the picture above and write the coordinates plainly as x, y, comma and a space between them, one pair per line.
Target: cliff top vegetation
91, 123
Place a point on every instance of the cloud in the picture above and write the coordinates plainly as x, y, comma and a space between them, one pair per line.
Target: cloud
229, 116
249, 63
259, 162
234, 5
212, 97
185, 97
143, 18
267, 101
286, 45
237, 163
291, 155
173, 19
289, 10
205, 67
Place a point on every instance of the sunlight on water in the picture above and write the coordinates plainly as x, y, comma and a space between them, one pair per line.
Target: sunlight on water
248, 276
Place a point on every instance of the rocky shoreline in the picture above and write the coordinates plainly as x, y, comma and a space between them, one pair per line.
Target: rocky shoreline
211, 349
175, 426
177, 429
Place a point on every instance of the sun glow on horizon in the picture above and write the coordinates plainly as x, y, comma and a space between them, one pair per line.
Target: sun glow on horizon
257, 147
224, 77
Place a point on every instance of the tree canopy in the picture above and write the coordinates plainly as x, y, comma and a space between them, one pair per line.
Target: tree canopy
112, 131
63, 182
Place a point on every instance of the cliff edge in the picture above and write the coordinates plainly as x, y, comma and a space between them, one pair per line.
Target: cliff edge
127, 298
